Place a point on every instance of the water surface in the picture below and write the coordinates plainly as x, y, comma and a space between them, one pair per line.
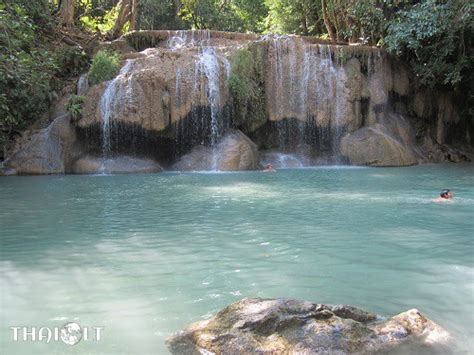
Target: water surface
145, 255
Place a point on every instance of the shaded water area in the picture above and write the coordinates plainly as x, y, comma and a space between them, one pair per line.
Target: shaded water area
145, 255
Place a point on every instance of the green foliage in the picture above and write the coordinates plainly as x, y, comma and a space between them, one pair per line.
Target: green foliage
32, 65
231, 15
365, 22
26, 71
247, 87
74, 106
302, 17
160, 15
436, 38
105, 66
241, 81
71, 61
97, 15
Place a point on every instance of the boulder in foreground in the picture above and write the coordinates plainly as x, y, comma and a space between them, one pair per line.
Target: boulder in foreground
283, 326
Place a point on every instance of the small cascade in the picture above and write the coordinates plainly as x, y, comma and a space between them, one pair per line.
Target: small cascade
110, 98
306, 85
180, 39
210, 77
208, 66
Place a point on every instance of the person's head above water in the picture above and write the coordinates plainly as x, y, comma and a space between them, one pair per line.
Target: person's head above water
447, 194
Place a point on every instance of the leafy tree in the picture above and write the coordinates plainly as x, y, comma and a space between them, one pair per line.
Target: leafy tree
97, 15
25, 70
126, 18
301, 17
160, 15
435, 37
225, 15
32, 63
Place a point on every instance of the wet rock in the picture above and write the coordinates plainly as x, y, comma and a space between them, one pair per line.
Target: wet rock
89, 164
234, 152
199, 159
237, 152
374, 147
282, 326
48, 151
155, 89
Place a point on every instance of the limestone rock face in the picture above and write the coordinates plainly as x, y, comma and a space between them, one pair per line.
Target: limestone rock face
372, 146
48, 151
234, 152
117, 165
157, 88
281, 326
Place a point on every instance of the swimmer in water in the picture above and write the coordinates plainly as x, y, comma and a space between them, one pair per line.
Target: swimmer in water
269, 168
444, 196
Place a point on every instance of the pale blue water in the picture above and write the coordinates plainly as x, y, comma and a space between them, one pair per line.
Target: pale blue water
145, 255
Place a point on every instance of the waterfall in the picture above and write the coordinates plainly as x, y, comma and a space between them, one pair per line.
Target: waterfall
210, 77
108, 102
306, 90
209, 66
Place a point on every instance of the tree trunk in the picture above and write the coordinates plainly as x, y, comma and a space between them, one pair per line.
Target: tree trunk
177, 7
123, 17
327, 23
66, 13
335, 19
133, 15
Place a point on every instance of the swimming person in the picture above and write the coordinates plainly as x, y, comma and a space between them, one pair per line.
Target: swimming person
269, 168
445, 195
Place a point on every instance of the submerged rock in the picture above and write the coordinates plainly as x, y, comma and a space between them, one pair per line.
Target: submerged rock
282, 326
234, 152
117, 165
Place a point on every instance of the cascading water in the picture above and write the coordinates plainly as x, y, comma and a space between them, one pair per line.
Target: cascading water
307, 103
109, 99
211, 74
209, 66
306, 86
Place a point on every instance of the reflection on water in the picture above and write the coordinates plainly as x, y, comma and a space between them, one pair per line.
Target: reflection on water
144, 255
